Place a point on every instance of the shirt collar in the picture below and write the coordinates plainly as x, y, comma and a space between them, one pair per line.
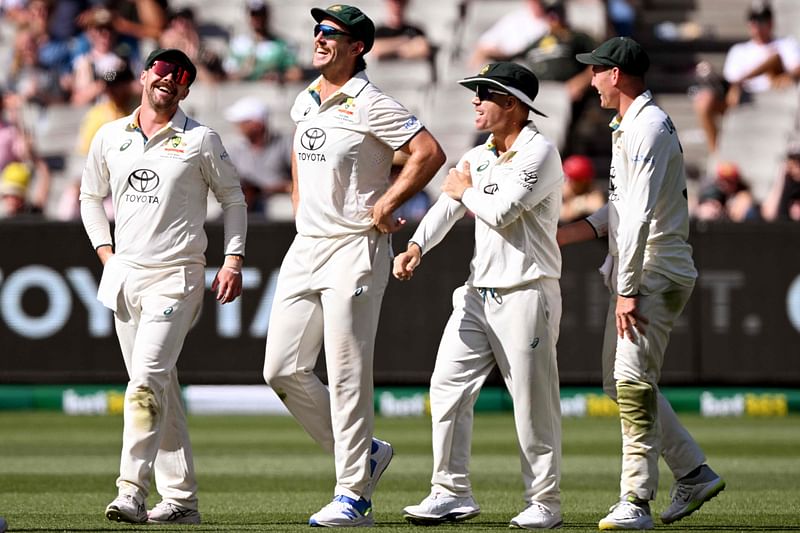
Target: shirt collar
528, 132
618, 123
353, 86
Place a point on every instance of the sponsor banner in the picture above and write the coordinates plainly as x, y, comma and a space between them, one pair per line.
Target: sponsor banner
394, 402
741, 327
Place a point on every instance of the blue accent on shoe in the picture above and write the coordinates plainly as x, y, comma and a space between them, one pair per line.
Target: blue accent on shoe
374, 446
372, 464
361, 505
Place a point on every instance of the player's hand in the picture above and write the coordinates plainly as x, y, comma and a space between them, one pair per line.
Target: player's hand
406, 262
104, 253
628, 318
383, 218
227, 284
457, 181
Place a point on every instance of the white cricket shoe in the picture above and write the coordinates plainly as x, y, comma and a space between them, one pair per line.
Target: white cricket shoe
343, 512
627, 515
688, 495
536, 516
440, 507
171, 513
381, 455
126, 508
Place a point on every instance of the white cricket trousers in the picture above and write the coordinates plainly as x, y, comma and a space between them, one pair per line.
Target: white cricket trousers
517, 330
155, 310
329, 292
661, 301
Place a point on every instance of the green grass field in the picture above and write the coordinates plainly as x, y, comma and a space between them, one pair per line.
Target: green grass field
264, 474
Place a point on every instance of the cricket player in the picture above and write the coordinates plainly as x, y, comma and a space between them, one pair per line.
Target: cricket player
332, 279
650, 274
158, 164
508, 312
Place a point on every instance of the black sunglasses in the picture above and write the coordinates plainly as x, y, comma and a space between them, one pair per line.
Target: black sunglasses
181, 74
485, 93
328, 31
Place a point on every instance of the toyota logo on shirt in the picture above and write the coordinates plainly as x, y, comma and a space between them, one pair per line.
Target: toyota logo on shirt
143, 180
312, 139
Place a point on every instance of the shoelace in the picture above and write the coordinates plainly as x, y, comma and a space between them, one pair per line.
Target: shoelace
680, 491
541, 508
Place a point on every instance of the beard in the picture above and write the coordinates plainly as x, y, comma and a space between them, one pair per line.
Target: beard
162, 102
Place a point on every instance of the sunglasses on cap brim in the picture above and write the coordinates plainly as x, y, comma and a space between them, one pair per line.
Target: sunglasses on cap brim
483, 92
180, 74
328, 31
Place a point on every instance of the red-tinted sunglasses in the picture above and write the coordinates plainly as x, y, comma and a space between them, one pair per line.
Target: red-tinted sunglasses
164, 68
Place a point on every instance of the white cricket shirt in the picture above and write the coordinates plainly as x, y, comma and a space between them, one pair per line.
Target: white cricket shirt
516, 199
343, 149
159, 188
647, 216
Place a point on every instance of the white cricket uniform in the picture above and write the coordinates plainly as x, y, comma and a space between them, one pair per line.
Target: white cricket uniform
155, 280
507, 314
647, 223
332, 279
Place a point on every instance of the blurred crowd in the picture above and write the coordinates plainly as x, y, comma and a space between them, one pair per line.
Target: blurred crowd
88, 54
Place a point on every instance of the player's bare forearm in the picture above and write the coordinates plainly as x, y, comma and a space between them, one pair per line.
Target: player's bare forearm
574, 232
425, 159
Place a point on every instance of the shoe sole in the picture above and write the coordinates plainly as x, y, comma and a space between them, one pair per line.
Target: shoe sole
365, 523
168, 522
514, 525
608, 526
697, 504
433, 520
116, 515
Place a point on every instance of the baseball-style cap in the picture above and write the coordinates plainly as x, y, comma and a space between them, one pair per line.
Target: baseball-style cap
14, 179
249, 108
759, 10
621, 52
173, 55
359, 25
510, 78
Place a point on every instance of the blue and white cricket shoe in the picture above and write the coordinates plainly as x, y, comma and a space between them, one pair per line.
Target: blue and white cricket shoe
344, 512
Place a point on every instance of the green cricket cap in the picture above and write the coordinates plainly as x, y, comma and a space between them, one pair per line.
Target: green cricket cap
510, 78
359, 25
622, 52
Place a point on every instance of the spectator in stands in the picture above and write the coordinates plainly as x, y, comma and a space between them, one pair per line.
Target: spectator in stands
552, 58
105, 54
395, 38
512, 34
413, 209
182, 33
14, 182
758, 65
262, 157
728, 197
260, 54
29, 80
122, 94
16, 147
783, 202
135, 20
581, 196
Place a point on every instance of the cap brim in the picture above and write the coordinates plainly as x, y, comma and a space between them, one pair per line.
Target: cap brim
589, 59
472, 84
